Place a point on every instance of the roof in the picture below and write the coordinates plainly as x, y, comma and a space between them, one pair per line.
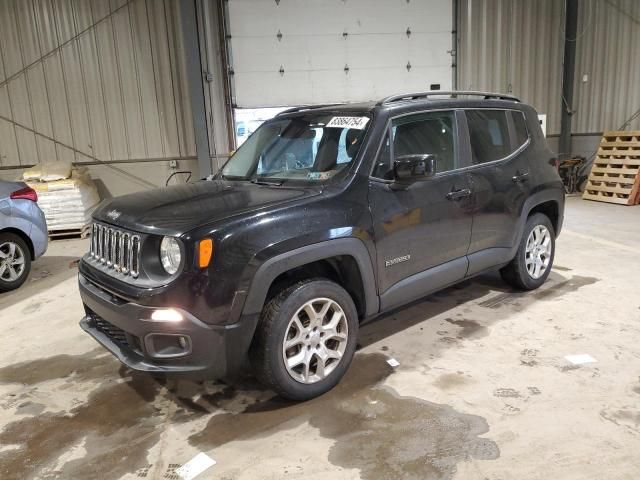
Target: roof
403, 97
410, 99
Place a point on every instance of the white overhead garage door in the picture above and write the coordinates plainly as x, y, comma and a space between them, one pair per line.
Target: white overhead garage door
291, 52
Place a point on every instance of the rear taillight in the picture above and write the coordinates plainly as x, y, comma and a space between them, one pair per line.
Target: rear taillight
26, 193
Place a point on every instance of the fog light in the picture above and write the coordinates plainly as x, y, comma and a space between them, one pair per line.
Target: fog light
166, 315
167, 345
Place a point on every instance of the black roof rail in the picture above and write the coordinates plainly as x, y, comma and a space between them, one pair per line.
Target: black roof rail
453, 94
307, 107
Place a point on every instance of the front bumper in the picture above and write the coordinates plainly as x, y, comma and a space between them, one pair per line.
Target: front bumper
127, 331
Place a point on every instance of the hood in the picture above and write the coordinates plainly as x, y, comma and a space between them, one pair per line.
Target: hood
177, 209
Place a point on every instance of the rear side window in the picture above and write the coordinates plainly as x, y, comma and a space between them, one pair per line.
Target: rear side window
489, 135
520, 127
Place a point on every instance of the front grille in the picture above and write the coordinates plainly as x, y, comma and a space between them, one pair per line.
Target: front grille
115, 250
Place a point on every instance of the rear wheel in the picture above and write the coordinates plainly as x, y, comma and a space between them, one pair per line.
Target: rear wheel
533, 261
306, 339
15, 261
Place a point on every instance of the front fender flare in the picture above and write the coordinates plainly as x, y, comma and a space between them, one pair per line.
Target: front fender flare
271, 268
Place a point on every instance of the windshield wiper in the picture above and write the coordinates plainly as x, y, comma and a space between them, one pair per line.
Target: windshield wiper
228, 178
259, 181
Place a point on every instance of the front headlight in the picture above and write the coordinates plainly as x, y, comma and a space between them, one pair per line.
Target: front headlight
170, 255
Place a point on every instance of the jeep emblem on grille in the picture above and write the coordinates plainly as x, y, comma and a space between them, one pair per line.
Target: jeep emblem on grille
114, 214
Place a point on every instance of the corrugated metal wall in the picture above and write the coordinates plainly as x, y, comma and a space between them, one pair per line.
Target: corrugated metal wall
93, 81
99, 80
517, 46
513, 46
608, 52
217, 100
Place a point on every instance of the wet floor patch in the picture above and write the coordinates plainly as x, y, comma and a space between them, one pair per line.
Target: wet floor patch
561, 268
115, 427
91, 365
469, 328
566, 286
375, 430
450, 381
548, 292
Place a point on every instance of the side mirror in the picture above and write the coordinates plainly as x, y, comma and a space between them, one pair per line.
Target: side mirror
413, 168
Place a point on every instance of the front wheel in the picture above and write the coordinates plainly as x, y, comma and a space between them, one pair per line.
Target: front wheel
15, 261
533, 261
306, 339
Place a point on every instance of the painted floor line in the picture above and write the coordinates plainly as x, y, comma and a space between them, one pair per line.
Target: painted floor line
601, 241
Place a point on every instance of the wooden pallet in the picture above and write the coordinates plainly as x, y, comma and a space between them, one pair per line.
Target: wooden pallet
615, 174
70, 233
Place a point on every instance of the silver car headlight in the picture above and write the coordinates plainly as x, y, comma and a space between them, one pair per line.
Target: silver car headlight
170, 255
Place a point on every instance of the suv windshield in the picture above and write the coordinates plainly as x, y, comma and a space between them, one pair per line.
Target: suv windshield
311, 147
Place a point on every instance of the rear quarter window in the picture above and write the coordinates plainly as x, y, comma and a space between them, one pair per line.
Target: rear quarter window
489, 135
520, 128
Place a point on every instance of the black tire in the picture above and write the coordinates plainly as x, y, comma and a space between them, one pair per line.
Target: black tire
516, 273
267, 349
5, 283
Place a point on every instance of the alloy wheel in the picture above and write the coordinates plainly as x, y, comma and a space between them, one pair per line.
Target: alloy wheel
12, 261
315, 340
538, 251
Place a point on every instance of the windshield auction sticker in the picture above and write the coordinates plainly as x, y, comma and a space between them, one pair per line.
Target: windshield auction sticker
357, 123
321, 175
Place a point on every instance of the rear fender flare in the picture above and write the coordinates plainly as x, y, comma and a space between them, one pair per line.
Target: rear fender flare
532, 202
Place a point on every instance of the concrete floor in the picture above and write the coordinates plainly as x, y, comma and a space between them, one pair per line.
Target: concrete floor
482, 391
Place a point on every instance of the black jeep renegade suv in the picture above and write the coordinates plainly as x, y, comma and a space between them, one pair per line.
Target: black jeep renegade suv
326, 217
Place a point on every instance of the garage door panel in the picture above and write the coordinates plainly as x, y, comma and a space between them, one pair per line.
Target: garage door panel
307, 87
306, 63
311, 53
384, 16
320, 17
304, 54
430, 49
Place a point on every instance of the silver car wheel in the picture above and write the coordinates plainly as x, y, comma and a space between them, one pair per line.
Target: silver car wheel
538, 251
12, 262
315, 340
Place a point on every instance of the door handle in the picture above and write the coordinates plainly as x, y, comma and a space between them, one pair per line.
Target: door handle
458, 194
520, 177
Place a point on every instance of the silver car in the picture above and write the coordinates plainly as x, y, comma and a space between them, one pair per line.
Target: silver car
23, 233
